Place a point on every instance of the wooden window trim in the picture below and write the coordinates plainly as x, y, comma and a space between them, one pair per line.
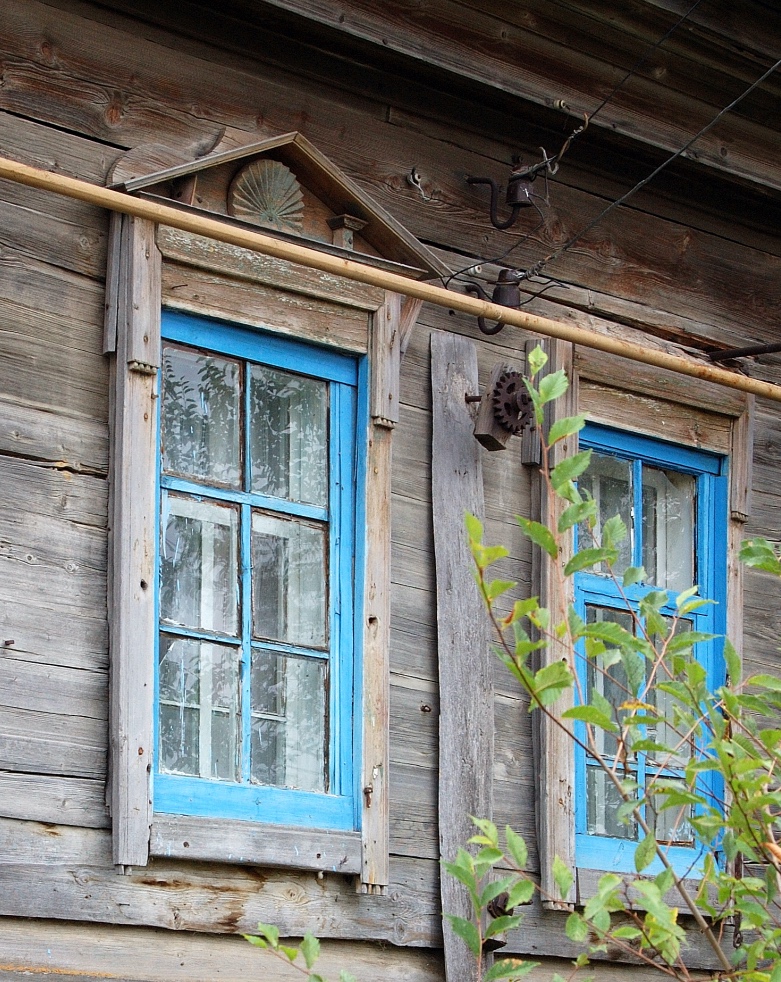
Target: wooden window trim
145, 266
594, 391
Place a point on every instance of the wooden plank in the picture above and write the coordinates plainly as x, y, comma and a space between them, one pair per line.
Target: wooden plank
386, 362
453, 38
237, 263
607, 370
75, 443
742, 462
52, 689
132, 612
52, 743
53, 799
67, 874
466, 723
213, 294
553, 749
225, 841
667, 420
375, 871
92, 952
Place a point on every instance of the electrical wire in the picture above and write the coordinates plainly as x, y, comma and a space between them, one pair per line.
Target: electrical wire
537, 268
551, 164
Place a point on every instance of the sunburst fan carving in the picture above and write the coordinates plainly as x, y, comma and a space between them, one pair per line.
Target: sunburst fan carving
267, 193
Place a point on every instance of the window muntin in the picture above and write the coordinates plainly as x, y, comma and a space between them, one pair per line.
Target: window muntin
256, 668
673, 502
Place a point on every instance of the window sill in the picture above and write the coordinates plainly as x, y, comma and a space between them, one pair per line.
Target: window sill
246, 843
587, 882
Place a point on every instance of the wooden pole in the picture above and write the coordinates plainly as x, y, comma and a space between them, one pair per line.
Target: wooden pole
213, 228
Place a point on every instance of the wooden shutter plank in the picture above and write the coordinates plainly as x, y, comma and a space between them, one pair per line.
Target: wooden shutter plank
132, 612
553, 747
466, 722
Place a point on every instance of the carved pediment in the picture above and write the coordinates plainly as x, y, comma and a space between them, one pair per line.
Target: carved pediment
285, 186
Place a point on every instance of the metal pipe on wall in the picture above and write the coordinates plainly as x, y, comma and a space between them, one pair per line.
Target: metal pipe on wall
351, 269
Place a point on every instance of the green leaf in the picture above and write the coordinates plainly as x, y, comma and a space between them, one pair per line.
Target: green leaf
613, 532
732, 659
521, 893
576, 928
289, 953
562, 877
496, 588
255, 940
589, 557
466, 931
536, 360
590, 714
550, 682
488, 829
345, 977
540, 535
270, 933
760, 554
553, 386
570, 468
575, 514
633, 575
645, 853
509, 968
474, 528
516, 846
500, 925
310, 949
565, 427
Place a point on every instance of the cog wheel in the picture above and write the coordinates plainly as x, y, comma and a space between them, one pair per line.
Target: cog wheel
512, 406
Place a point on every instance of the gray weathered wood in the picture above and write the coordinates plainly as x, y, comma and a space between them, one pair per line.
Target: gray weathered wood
386, 362
132, 614
553, 748
466, 721
72, 442
93, 952
53, 799
742, 462
225, 841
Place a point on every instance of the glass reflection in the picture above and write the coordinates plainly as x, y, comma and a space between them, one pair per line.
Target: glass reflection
288, 436
198, 565
199, 706
289, 591
609, 482
668, 528
200, 416
288, 721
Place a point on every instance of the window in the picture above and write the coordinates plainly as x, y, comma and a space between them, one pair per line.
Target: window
673, 502
258, 664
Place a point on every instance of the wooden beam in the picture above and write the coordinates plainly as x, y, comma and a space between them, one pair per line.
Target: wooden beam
466, 720
291, 251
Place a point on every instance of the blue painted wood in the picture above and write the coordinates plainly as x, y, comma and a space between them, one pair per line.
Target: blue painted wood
604, 852
348, 428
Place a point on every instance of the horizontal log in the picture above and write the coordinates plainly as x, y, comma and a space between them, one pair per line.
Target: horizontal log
71, 442
53, 799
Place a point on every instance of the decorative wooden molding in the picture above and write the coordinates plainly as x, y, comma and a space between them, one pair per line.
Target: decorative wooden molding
135, 312
553, 749
466, 722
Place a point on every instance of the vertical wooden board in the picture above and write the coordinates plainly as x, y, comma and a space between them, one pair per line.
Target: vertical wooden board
741, 462
553, 749
376, 666
134, 462
386, 361
466, 723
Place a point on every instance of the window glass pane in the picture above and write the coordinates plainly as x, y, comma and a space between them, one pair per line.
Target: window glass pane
288, 721
668, 528
289, 590
667, 731
671, 824
198, 564
201, 420
610, 682
609, 481
603, 802
289, 436
199, 707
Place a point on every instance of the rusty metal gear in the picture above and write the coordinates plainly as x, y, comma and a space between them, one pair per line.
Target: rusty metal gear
512, 405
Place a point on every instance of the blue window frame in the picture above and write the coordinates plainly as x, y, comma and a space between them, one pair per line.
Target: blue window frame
674, 503
257, 701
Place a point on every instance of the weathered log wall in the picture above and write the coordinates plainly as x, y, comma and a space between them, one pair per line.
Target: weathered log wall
80, 86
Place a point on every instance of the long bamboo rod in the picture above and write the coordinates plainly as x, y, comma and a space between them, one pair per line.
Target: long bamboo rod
350, 269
